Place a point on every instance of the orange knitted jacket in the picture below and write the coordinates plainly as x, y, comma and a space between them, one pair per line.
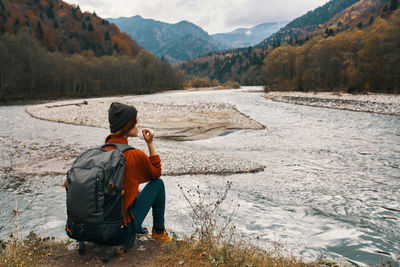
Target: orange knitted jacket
139, 169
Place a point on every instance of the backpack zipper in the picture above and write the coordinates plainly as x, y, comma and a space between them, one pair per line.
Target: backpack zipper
96, 191
96, 188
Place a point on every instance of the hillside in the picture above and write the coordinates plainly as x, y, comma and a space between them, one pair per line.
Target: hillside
308, 22
357, 61
185, 48
333, 17
62, 27
244, 65
50, 49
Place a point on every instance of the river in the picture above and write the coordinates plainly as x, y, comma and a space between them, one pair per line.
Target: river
330, 189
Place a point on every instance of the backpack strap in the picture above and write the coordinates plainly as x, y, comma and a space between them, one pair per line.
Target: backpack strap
120, 146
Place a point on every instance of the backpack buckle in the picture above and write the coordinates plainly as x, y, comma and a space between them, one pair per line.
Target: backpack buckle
68, 230
110, 186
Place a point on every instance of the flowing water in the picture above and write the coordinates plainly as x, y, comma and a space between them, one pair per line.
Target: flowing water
330, 188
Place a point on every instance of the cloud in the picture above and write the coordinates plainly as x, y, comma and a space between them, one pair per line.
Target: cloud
212, 15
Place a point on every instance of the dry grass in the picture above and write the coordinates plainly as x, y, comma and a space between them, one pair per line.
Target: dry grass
192, 252
32, 251
215, 241
228, 85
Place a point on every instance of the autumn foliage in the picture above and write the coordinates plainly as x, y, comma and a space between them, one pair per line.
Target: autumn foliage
29, 71
62, 27
245, 65
360, 60
51, 49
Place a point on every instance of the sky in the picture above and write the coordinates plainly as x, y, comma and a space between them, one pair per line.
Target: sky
214, 16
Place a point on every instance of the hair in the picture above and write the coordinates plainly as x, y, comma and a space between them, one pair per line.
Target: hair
124, 130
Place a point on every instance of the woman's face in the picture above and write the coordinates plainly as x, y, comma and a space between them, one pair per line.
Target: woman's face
134, 132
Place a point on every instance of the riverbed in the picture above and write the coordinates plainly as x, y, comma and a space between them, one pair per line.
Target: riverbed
329, 188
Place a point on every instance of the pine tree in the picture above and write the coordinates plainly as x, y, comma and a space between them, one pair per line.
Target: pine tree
50, 12
385, 8
329, 32
394, 4
2, 5
16, 24
116, 48
90, 27
40, 30
107, 36
371, 20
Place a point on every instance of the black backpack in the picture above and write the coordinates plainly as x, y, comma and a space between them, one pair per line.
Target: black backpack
95, 193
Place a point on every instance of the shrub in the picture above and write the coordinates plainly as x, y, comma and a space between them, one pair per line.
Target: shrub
200, 82
215, 242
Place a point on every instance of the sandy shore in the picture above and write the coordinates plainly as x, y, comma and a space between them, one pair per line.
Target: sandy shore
173, 124
375, 103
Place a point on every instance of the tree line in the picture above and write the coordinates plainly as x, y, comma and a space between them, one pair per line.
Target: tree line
360, 60
239, 65
29, 71
65, 28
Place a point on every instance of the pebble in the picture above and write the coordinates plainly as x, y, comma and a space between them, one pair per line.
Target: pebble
374, 103
177, 158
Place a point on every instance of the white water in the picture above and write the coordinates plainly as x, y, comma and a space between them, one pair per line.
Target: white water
330, 187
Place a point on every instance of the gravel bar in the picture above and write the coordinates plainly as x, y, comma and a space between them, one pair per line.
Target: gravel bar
173, 124
374, 103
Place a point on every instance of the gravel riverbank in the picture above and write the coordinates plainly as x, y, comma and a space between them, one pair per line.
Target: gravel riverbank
375, 103
173, 124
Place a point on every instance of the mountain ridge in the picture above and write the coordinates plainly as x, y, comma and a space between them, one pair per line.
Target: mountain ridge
241, 37
159, 37
244, 64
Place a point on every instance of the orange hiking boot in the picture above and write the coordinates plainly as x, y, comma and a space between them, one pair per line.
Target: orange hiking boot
164, 237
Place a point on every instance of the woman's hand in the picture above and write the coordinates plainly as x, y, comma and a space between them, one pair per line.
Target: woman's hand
148, 135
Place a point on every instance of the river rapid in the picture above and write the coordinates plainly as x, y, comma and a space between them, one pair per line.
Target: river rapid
330, 189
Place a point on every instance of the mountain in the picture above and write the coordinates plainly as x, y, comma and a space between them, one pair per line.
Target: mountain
244, 64
175, 42
62, 27
187, 47
332, 17
184, 40
245, 37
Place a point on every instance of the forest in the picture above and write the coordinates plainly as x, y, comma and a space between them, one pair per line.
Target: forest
246, 65
51, 49
360, 60
62, 27
29, 71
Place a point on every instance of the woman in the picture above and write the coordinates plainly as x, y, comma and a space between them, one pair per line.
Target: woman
139, 168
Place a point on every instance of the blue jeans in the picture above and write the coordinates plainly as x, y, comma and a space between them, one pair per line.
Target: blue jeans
152, 196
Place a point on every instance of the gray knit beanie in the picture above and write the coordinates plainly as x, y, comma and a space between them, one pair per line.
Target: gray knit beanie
119, 115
